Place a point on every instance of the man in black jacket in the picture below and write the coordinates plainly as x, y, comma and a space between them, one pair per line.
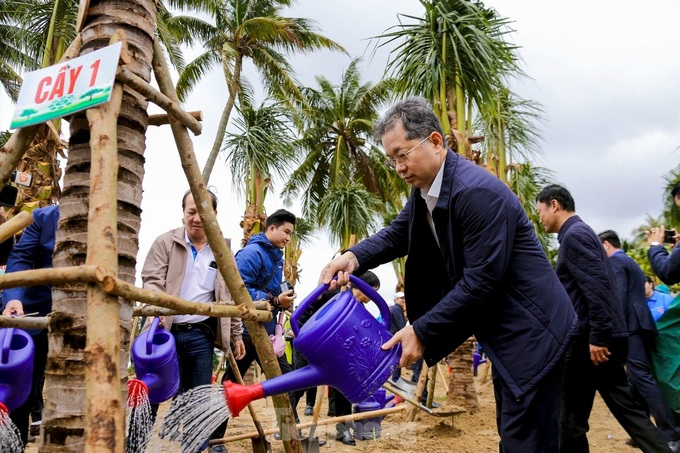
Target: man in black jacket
596, 357
474, 266
630, 284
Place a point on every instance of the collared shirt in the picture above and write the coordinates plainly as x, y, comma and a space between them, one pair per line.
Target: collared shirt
199, 280
431, 196
658, 304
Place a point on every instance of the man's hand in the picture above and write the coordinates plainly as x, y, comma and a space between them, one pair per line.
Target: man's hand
286, 299
239, 349
599, 354
14, 308
341, 266
411, 347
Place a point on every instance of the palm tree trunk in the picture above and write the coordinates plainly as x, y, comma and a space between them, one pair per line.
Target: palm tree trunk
233, 83
64, 413
461, 379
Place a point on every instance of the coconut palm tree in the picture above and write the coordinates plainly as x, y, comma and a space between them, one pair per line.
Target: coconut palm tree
455, 55
337, 148
241, 30
262, 148
348, 213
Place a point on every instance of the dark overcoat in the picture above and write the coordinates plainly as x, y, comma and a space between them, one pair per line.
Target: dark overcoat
486, 274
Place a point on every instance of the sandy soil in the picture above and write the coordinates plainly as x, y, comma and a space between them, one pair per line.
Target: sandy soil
466, 433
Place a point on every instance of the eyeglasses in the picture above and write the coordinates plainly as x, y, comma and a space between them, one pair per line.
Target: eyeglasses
402, 158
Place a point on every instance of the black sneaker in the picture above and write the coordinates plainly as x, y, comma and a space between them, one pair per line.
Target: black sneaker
309, 410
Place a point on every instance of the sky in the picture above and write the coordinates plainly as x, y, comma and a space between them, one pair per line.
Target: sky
604, 72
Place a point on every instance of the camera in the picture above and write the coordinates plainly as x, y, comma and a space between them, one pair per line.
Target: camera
669, 236
285, 287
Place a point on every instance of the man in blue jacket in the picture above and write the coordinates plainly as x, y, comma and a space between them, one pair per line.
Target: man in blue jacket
596, 357
474, 266
33, 251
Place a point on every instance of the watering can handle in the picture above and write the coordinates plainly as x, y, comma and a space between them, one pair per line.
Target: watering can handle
363, 287
375, 297
6, 344
150, 335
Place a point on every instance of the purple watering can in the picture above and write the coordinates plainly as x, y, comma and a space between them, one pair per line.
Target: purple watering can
341, 342
16, 368
155, 358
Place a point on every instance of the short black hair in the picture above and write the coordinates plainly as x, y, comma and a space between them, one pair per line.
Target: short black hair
559, 194
370, 279
611, 237
649, 279
675, 191
213, 197
279, 217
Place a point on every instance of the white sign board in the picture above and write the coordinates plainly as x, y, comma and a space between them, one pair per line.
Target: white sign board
66, 88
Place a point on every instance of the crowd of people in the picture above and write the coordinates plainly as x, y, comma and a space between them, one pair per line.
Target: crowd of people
474, 267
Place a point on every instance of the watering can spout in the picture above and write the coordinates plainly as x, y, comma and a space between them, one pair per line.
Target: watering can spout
239, 396
137, 392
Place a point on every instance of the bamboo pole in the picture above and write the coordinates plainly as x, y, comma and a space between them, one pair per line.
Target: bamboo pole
104, 426
326, 421
163, 118
443, 377
431, 381
24, 323
117, 287
171, 106
14, 225
223, 255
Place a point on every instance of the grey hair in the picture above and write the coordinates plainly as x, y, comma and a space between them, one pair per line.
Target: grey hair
415, 114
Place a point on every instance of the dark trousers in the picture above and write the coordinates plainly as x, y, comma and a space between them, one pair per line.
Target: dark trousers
646, 390
582, 379
299, 361
21, 414
530, 423
243, 365
340, 406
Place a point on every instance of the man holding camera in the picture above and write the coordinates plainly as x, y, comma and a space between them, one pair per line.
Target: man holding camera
666, 266
260, 264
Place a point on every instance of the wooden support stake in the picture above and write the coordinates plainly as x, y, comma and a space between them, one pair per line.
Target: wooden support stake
14, 225
163, 118
117, 287
24, 323
411, 413
223, 255
58, 276
260, 306
326, 421
135, 82
104, 405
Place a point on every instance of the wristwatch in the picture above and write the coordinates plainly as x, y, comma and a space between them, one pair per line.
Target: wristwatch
654, 243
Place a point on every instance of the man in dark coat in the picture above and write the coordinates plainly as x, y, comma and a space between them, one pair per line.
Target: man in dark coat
474, 266
630, 284
596, 356
666, 266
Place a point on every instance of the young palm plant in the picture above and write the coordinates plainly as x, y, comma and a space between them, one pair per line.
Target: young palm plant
262, 148
337, 148
454, 55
